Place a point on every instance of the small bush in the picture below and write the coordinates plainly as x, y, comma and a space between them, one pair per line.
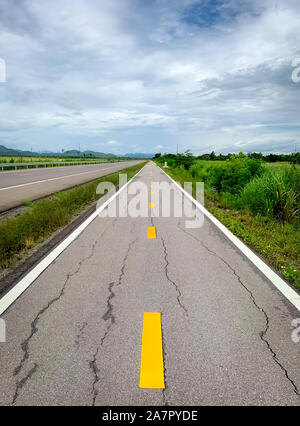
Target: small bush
232, 175
201, 170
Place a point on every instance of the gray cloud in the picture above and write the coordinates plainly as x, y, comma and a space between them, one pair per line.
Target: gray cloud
147, 74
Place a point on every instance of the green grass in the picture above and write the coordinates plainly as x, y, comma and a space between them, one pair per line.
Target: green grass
246, 183
12, 163
43, 159
275, 193
275, 240
43, 217
280, 164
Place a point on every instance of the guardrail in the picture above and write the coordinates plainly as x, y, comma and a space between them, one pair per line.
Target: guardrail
16, 166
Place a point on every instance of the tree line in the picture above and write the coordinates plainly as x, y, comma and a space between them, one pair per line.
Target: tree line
188, 158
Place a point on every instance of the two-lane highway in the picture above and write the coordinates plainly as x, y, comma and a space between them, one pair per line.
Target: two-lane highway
25, 185
80, 334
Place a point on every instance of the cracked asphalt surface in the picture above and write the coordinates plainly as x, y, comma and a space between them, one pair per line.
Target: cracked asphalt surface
74, 336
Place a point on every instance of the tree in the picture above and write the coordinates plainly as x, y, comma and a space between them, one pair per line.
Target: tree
212, 155
186, 159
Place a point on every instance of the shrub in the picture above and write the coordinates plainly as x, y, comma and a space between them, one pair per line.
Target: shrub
232, 175
201, 169
185, 160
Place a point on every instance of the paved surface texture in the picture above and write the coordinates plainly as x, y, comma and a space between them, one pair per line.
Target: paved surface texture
25, 185
74, 336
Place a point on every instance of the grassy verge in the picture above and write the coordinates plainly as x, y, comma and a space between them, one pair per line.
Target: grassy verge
43, 217
16, 164
277, 242
36, 159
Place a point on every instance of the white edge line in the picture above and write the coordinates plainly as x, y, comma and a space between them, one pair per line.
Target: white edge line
275, 279
26, 281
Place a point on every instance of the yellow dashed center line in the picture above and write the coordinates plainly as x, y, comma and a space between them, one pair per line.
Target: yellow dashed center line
152, 363
151, 205
151, 232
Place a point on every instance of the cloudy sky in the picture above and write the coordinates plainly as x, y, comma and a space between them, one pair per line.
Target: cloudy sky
145, 75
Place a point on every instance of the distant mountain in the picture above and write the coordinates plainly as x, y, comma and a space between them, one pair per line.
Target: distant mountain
139, 155
14, 152
92, 154
70, 153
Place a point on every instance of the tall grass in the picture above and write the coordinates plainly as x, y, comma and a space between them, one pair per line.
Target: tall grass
275, 193
264, 212
227, 176
243, 183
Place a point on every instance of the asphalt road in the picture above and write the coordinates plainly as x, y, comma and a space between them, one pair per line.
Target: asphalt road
17, 186
74, 336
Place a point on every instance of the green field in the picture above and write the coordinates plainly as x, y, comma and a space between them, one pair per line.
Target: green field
13, 163
4, 159
280, 164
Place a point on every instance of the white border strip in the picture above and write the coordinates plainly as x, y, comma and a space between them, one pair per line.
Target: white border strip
26, 281
275, 279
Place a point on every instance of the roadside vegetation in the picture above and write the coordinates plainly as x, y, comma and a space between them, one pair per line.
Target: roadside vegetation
61, 161
256, 200
35, 159
43, 217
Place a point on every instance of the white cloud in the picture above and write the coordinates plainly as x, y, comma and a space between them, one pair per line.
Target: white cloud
137, 72
113, 143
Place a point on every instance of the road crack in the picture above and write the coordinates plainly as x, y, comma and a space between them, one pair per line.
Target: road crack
179, 295
93, 366
34, 329
22, 382
122, 273
264, 332
108, 316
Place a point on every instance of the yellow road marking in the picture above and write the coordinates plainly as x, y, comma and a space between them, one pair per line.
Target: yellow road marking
151, 232
151, 205
151, 192
152, 362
